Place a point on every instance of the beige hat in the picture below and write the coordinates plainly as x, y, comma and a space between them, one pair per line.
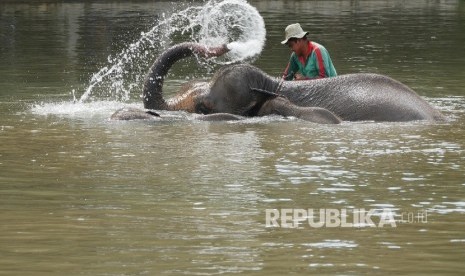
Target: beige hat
293, 31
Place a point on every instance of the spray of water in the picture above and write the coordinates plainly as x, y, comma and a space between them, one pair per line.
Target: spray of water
216, 22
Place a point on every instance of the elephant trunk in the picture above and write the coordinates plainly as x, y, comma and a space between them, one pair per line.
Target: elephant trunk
152, 92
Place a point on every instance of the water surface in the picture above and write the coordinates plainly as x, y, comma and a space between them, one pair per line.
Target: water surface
83, 195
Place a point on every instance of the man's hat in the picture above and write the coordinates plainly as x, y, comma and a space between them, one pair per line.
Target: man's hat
293, 31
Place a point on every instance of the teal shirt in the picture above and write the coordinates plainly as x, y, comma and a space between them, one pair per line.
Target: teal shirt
317, 65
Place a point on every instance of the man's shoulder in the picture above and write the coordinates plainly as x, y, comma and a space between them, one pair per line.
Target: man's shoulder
320, 48
317, 45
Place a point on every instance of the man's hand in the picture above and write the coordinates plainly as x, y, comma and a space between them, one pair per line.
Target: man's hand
299, 76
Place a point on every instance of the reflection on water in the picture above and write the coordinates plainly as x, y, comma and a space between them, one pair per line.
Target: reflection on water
81, 194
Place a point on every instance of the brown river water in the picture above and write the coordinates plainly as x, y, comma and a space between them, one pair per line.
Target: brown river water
83, 195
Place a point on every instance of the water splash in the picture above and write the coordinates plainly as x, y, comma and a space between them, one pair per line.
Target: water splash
232, 22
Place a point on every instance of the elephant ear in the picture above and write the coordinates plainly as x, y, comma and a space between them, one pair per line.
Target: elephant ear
252, 109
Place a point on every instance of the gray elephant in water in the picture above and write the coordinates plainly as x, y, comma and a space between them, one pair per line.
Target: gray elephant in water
244, 90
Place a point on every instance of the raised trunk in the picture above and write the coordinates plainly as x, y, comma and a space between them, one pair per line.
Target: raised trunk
152, 92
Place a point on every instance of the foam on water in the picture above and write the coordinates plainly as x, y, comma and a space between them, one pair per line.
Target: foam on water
79, 109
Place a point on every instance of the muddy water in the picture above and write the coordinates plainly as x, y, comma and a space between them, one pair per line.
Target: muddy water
82, 195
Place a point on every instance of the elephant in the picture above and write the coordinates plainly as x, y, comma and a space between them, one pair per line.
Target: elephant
195, 96
242, 90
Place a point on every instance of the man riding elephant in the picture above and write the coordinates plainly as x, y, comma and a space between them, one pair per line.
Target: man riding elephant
244, 90
309, 60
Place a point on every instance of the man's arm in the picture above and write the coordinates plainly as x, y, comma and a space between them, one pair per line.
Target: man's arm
286, 75
291, 69
320, 64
